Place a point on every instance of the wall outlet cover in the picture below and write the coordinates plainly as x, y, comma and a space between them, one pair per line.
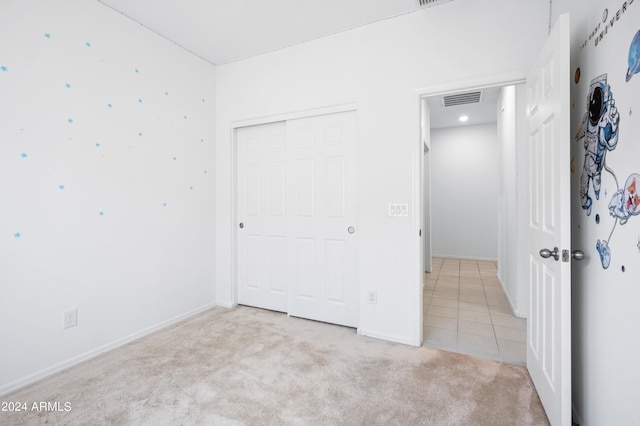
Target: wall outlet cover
71, 318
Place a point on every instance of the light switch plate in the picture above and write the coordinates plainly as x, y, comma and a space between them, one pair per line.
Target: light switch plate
398, 209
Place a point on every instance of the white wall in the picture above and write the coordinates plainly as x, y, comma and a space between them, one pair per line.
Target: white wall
605, 340
506, 117
425, 131
107, 170
464, 191
382, 67
521, 302
513, 266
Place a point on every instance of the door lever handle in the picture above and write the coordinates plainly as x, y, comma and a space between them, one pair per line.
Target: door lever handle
577, 255
546, 253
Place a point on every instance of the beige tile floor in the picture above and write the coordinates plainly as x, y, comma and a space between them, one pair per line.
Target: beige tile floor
466, 311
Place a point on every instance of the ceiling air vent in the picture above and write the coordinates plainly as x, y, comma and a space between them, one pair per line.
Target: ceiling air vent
432, 2
462, 98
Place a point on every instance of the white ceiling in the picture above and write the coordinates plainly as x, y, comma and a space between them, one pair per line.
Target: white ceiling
221, 31
483, 112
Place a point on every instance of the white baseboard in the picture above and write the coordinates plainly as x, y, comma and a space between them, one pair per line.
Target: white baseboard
46, 372
388, 337
512, 306
451, 256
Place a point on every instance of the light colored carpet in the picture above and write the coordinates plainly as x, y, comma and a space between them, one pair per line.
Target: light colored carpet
250, 366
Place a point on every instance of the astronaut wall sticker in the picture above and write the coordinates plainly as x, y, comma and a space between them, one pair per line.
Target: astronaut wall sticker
599, 133
626, 202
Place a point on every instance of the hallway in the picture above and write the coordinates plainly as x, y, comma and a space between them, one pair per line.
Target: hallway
466, 311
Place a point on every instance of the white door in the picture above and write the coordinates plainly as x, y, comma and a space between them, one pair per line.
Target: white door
261, 216
321, 224
549, 323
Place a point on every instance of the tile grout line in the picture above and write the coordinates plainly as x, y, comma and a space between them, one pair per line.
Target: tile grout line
434, 286
495, 336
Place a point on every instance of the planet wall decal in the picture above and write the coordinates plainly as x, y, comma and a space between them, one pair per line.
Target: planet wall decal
634, 56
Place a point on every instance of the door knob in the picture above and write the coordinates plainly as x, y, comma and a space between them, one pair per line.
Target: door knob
241, 225
351, 229
546, 253
577, 254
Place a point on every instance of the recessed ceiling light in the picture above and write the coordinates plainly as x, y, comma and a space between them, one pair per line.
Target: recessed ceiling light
463, 118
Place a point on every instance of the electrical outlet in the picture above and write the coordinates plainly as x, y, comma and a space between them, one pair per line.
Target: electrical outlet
71, 318
372, 297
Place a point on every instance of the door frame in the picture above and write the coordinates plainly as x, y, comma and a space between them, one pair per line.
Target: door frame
418, 170
233, 128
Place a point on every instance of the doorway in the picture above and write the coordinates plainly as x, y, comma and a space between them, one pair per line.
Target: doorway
470, 193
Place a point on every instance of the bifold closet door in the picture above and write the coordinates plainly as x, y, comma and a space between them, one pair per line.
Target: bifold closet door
261, 232
321, 219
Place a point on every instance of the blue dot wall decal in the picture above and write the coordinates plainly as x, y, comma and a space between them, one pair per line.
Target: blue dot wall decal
68, 86
87, 44
164, 204
17, 235
97, 144
101, 213
191, 187
4, 68
174, 158
166, 93
137, 70
70, 120
139, 133
47, 35
61, 187
109, 105
139, 101
185, 117
24, 155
